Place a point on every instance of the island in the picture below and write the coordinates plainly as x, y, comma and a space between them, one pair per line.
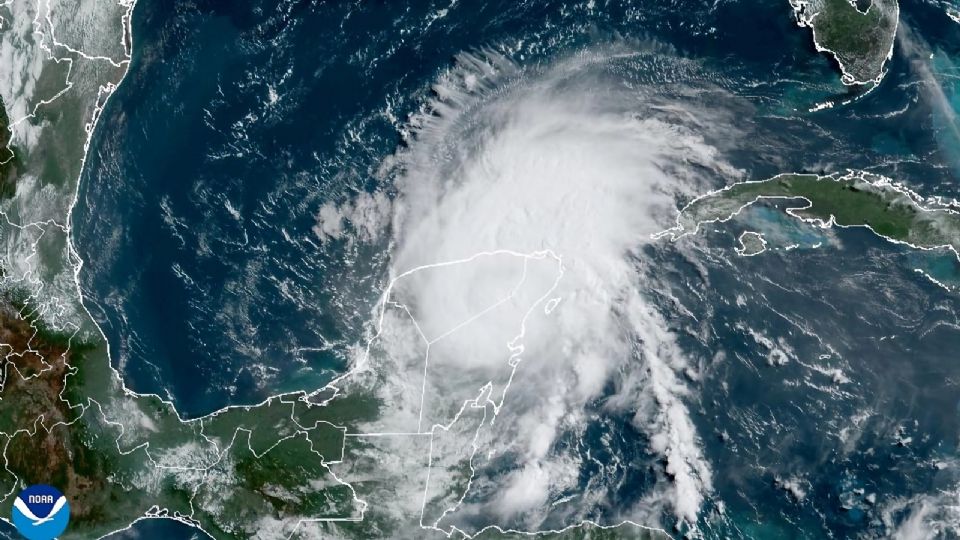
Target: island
751, 243
852, 199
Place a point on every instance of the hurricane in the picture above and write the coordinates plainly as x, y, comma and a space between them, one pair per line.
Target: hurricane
519, 305
649, 269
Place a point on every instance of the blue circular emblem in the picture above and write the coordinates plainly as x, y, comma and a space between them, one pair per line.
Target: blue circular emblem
41, 512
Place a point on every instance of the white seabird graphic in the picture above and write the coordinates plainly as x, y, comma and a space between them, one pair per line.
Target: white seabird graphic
25, 510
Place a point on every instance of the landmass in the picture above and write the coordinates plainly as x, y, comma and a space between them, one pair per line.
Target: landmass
586, 531
852, 199
751, 243
8, 162
293, 466
860, 39
65, 417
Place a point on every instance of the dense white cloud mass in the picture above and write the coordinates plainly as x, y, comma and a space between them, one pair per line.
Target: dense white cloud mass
924, 517
518, 303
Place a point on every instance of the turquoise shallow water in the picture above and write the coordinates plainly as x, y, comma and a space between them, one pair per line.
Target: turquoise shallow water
258, 114
239, 120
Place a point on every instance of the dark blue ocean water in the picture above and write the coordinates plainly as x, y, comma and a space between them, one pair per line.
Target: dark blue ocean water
238, 120
196, 208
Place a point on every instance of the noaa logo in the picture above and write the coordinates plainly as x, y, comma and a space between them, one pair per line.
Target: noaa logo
41, 512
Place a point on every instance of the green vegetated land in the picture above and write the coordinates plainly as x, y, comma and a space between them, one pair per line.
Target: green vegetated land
8, 159
230, 473
585, 532
242, 472
66, 418
851, 200
859, 40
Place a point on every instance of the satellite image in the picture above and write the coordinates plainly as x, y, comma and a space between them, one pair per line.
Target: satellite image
492, 269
